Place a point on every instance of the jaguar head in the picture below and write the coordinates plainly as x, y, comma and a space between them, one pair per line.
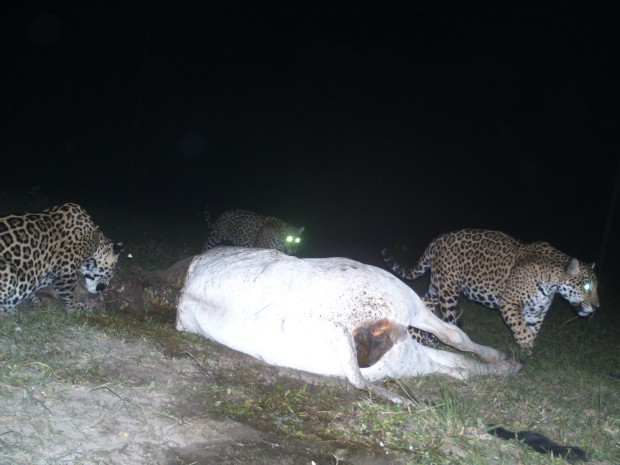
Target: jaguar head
291, 239
99, 269
580, 287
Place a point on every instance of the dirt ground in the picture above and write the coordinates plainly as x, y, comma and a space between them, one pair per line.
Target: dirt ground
96, 398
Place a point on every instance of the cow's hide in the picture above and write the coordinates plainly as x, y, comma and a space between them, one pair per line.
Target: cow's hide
303, 313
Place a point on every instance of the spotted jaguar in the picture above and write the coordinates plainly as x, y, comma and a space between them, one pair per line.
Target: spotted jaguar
500, 272
249, 229
49, 248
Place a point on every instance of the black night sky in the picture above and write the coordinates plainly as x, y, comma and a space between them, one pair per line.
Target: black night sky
370, 124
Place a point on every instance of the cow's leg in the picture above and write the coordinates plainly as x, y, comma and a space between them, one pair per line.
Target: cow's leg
462, 367
453, 336
344, 346
405, 359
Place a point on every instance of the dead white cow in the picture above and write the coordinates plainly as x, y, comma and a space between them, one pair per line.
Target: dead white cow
310, 314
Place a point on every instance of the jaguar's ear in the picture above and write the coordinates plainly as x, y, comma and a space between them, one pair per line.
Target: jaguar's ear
118, 248
300, 230
573, 267
592, 265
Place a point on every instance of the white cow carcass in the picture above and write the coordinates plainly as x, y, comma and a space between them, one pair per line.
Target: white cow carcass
304, 313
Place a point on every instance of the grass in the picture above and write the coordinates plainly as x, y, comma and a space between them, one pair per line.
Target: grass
568, 389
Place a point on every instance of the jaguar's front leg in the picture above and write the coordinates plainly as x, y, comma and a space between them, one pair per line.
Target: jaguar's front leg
65, 287
523, 335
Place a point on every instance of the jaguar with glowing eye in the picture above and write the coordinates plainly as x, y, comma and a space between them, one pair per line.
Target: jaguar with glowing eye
500, 272
249, 229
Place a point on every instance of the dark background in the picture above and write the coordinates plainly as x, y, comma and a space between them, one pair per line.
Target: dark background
371, 125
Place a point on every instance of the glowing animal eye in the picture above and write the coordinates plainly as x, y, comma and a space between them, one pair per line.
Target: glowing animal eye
586, 287
289, 238
297, 240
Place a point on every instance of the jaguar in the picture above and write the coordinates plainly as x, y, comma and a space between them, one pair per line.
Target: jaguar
51, 248
500, 272
249, 229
